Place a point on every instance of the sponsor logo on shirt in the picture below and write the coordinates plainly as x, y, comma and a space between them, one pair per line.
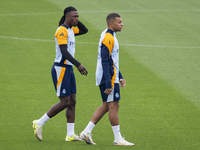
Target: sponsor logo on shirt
71, 43
61, 34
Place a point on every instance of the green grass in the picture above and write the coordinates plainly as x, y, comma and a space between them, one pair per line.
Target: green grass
159, 58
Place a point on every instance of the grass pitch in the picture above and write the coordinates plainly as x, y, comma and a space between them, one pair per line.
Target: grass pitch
159, 59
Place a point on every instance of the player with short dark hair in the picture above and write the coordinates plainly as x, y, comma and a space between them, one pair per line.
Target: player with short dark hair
108, 78
62, 73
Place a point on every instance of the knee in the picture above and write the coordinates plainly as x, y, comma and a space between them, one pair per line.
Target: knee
72, 100
64, 102
72, 103
114, 105
105, 106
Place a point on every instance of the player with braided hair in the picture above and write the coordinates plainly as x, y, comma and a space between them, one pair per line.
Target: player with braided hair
62, 73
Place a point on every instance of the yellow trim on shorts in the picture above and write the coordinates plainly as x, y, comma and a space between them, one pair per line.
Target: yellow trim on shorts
62, 73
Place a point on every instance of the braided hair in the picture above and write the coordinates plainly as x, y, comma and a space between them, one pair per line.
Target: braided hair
66, 11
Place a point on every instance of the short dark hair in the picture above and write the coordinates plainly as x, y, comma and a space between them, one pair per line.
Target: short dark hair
66, 11
111, 17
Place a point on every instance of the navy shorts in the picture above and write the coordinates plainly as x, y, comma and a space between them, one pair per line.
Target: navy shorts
64, 80
113, 96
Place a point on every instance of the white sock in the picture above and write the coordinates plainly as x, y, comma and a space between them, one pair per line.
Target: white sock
42, 120
70, 129
116, 131
89, 127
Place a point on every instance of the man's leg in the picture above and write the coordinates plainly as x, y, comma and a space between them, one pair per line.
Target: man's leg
113, 113
114, 120
55, 109
70, 111
70, 116
98, 114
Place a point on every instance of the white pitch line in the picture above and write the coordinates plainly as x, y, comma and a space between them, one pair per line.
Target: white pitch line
24, 14
161, 46
141, 10
26, 39
107, 11
131, 45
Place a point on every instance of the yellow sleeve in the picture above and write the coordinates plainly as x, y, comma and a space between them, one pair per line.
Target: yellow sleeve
61, 35
75, 29
108, 41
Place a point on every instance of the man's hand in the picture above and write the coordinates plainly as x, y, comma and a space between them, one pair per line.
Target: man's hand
108, 91
122, 83
82, 70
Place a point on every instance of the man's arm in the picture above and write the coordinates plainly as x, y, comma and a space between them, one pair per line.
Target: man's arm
121, 80
82, 28
68, 56
105, 64
120, 76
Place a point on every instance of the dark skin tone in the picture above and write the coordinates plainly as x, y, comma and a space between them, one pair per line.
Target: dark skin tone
72, 20
68, 102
